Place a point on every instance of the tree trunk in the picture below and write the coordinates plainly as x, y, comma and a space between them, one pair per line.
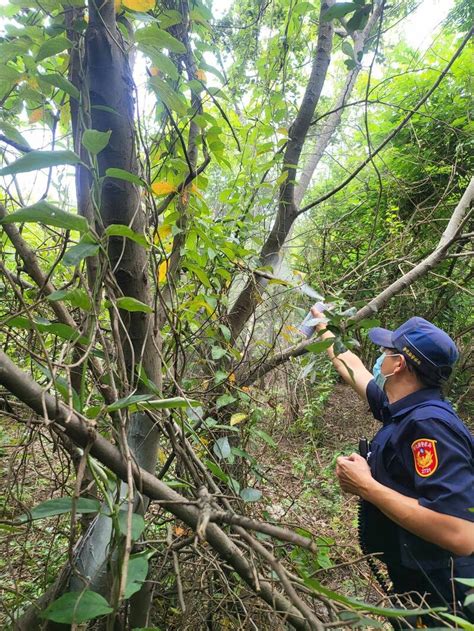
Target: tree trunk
287, 212
104, 77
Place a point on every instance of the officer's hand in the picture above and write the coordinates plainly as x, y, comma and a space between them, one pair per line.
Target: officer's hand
354, 474
315, 313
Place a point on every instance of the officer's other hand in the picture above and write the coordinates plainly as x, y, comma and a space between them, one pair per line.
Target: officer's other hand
354, 474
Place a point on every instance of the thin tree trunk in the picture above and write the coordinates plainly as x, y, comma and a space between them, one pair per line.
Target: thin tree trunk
287, 212
104, 77
331, 123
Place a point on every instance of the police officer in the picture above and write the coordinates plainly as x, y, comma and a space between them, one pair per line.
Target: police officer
417, 487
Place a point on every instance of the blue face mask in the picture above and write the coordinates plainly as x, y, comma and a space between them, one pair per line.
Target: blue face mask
379, 377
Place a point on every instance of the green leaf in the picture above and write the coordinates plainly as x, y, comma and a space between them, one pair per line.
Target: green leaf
58, 81
368, 323
359, 19
77, 253
224, 399
127, 303
460, 622
465, 581
9, 75
347, 49
168, 404
320, 346
170, 98
222, 448
217, 352
76, 297
199, 272
64, 331
77, 607
250, 495
265, 437
15, 48
35, 160
169, 17
161, 61
339, 10
62, 386
159, 38
12, 133
52, 47
216, 470
95, 141
46, 213
137, 572
119, 230
121, 174
127, 402
138, 524
359, 605
59, 506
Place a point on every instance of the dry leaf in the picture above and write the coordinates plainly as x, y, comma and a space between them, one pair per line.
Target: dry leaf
179, 531
35, 115
232, 377
201, 75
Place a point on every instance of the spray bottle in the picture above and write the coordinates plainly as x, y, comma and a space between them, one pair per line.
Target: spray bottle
308, 326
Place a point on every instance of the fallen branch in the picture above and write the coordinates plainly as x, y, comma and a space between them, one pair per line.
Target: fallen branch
83, 433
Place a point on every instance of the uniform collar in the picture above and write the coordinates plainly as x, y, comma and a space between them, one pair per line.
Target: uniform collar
402, 406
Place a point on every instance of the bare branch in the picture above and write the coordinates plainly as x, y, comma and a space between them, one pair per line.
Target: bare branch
399, 127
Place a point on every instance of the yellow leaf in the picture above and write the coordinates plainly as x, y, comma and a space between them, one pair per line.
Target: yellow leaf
164, 231
33, 83
162, 457
163, 188
237, 418
201, 75
154, 71
139, 5
162, 271
232, 377
35, 115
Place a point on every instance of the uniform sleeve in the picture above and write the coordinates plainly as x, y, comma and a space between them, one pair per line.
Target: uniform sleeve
376, 398
439, 459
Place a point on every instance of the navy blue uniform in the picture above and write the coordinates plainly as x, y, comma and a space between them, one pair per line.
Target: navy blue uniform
423, 451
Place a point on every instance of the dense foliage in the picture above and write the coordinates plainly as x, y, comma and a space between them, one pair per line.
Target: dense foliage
174, 178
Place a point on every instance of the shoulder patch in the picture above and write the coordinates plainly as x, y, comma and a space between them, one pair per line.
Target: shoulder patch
425, 456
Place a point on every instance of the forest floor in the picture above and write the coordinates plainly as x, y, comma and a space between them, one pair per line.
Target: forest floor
302, 491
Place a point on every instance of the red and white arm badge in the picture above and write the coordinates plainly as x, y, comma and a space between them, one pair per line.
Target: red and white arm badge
425, 456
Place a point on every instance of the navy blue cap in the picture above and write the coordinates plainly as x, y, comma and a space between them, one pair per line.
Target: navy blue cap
423, 344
